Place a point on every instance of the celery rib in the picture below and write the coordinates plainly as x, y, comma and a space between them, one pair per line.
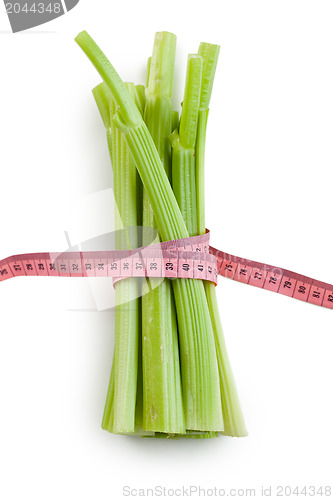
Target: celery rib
232, 414
162, 397
183, 146
119, 412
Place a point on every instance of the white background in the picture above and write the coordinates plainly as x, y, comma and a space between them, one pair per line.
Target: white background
269, 185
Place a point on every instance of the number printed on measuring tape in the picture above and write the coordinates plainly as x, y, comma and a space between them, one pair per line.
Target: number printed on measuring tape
274, 279
190, 258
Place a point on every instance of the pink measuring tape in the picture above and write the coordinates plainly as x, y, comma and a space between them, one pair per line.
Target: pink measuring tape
191, 257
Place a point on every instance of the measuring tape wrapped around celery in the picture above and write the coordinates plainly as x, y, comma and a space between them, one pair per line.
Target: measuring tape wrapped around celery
190, 257
170, 376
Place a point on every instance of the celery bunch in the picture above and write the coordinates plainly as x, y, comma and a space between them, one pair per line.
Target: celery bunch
170, 376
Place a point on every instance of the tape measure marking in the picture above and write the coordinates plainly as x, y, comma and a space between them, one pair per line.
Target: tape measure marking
274, 279
185, 258
108, 264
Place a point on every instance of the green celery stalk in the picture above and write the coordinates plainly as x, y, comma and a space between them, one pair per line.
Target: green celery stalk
183, 146
232, 414
140, 100
162, 396
201, 394
209, 54
103, 100
119, 412
183, 159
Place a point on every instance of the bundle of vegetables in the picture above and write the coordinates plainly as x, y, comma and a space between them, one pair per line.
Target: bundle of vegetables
171, 376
